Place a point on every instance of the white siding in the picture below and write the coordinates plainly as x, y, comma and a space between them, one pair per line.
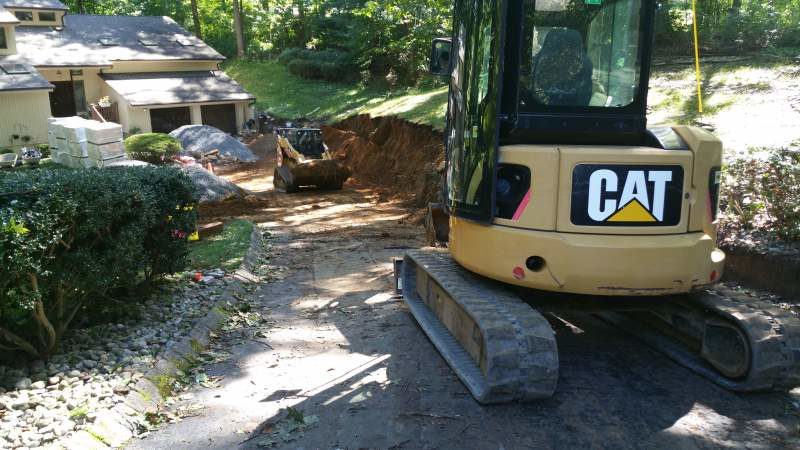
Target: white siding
36, 22
11, 40
24, 113
139, 117
197, 115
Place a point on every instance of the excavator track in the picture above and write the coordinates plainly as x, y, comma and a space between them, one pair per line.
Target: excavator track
502, 349
771, 338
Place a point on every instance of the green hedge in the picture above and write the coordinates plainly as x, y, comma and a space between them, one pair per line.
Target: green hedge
763, 194
154, 148
69, 240
328, 65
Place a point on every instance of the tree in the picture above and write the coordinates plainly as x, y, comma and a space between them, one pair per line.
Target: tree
732, 22
237, 28
198, 31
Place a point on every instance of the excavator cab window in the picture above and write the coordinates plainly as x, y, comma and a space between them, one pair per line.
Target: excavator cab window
577, 72
473, 112
580, 54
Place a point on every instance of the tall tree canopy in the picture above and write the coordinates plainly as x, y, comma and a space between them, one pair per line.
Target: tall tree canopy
371, 38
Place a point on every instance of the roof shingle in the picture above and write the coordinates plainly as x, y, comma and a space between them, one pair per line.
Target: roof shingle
34, 4
6, 16
78, 42
32, 80
172, 88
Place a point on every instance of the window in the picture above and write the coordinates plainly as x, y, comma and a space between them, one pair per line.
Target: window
14, 69
185, 42
472, 112
24, 16
578, 53
47, 16
148, 42
3, 38
108, 42
80, 95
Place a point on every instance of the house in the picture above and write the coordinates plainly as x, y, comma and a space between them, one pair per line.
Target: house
158, 76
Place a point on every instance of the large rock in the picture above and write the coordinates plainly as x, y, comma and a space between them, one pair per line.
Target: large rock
211, 188
199, 139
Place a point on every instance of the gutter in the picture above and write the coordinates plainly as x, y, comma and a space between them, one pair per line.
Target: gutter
48, 89
159, 105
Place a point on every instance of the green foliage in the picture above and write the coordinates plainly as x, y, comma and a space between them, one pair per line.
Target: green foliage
69, 240
79, 413
288, 96
331, 65
44, 149
727, 26
764, 194
224, 251
154, 148
6, 151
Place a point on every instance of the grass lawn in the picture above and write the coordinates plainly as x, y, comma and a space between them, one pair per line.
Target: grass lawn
750, 92
284, 95
223, 251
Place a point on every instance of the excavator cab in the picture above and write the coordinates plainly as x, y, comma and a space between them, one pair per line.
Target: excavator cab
556, 186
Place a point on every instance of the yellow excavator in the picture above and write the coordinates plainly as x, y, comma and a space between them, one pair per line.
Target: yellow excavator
561, 199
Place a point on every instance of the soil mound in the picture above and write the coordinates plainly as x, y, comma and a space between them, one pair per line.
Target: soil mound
199, 139
404, 158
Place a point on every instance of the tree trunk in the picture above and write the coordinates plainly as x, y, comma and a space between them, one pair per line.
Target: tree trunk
237, 28
198, 31
302, 38
732, 21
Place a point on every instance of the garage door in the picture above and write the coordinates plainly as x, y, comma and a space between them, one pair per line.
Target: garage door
220, 116
166, 120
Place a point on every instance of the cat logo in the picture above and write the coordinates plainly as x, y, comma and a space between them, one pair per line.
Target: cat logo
617, 195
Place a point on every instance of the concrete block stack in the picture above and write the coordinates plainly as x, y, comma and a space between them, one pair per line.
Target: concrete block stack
79, 143
104, 143
56, 133
75, 136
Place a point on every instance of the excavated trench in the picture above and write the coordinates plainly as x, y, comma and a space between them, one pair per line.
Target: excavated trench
399, 158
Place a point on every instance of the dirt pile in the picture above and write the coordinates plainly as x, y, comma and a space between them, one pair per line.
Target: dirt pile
405, 159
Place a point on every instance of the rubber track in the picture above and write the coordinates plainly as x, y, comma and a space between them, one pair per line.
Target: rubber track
774, 336
519, 345
774, 339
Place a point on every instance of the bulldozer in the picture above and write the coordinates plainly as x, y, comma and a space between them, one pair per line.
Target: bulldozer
304, 160
559, 199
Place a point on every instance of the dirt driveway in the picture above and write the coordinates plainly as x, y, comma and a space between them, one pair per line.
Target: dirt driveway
338, 348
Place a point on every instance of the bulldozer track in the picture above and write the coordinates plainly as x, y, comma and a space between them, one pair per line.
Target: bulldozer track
773, 334
519, 351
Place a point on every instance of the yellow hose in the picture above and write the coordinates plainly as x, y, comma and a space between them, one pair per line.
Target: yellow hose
698, 75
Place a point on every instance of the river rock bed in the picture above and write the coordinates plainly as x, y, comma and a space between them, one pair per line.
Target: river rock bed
43, 402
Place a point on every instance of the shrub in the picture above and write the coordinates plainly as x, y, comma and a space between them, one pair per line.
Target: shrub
154, 148
44, 149
6, 151
763, 194
331, 65
71, 239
